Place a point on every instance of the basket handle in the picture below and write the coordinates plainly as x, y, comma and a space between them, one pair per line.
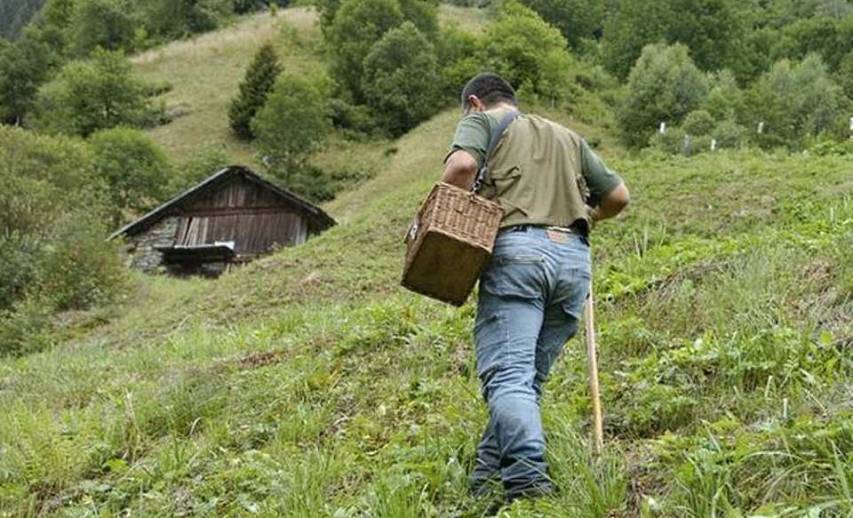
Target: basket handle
497, 133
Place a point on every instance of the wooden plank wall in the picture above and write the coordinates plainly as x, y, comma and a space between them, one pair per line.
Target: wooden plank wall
245, 213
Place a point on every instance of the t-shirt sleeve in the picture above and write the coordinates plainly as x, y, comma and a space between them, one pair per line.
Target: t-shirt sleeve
472, 135
599, 178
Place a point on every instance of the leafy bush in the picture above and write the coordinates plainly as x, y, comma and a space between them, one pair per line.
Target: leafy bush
78, 269
729, 134
293, 122
527, 52
794, 100
256, 86
725, 98
664, 85
135, 169
394, 73
88, 96
697, 123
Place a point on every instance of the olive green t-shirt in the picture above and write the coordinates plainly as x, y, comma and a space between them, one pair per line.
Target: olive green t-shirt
474, 131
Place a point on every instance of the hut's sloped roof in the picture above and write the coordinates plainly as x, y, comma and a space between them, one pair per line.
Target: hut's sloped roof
317, 218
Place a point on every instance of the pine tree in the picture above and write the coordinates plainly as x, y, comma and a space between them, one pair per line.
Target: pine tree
259, 80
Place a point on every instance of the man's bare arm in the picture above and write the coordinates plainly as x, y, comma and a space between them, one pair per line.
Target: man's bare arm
460, 169
612, 204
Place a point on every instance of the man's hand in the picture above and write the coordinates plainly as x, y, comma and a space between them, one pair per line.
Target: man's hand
612, 204
460, 169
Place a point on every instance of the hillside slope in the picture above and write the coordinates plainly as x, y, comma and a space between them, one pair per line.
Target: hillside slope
309, 383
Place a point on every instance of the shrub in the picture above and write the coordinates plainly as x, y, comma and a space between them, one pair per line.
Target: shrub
664, 85
697, 123
671, 142
527, 52
78, 269
92, 95
729, 134
845, 74
795, 100
133, 167
725, 98
394, 73
293, 122
259, 80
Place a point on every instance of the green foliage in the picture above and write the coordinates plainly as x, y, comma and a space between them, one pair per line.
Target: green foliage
576, 19
357, 26
133, 167
52, 230
729, 134
24, 66
15, 14
394, 85
698, 123
256, 86
664, 86
177, 18
458, 52
294, 122
527, 52
795, 100
201, 163
725, 99
844, 77
88, 96
108, 24
711, 29
78, 269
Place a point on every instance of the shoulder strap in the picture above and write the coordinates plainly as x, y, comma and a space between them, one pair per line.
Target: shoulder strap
497, 133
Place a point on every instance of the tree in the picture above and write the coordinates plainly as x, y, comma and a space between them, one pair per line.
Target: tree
88, 96
133, 167
526, 51
795, 101
177, 18
576, 19
664, 85
394, 73
357, 26
24, 66
259, 80
712, 29
102, 23
293, 122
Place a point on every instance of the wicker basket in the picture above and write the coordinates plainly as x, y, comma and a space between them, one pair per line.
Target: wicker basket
450, 243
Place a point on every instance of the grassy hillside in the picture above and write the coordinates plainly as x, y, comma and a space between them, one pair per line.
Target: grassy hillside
310, 384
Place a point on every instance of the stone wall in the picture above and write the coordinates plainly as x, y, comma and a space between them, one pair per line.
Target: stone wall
141, 246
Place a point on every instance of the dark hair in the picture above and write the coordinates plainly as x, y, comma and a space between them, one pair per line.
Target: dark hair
489, 88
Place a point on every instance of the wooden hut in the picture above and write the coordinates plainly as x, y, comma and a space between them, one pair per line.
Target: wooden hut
232, 217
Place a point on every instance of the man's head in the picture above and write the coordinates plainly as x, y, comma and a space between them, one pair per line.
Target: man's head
485, 91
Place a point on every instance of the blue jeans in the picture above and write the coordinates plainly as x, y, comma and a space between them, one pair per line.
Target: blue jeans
531, 298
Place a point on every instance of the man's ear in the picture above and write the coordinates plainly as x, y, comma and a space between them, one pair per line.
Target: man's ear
476, 103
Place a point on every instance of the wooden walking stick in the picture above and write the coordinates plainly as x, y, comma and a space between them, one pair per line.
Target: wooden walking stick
592, 365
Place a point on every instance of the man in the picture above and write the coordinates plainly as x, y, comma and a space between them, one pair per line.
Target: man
552, 186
